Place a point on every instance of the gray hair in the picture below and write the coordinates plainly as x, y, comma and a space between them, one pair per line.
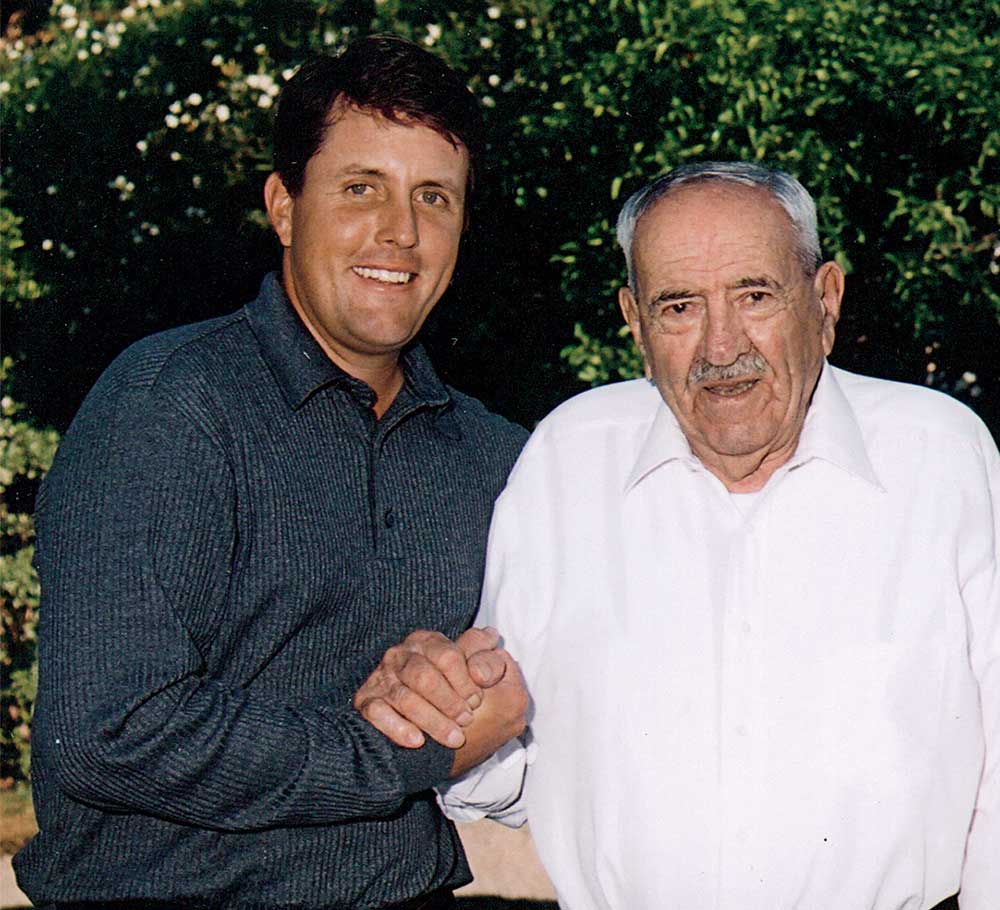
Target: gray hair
791, 195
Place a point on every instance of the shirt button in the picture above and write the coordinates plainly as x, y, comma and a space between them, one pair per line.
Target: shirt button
741, 729
389, 518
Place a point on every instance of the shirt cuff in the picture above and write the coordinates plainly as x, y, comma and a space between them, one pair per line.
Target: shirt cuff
493, 789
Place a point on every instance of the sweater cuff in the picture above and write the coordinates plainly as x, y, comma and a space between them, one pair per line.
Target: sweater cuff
423, 768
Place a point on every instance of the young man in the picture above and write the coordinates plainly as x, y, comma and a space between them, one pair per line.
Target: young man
246, 514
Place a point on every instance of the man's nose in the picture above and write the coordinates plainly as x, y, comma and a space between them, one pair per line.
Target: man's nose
725, 337
398, 223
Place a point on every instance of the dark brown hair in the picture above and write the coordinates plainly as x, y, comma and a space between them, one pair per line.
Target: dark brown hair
382, 74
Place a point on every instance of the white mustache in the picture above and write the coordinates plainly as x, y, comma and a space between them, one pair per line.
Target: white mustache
746, 366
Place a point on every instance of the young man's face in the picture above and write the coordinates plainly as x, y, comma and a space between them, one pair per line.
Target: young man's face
371, 242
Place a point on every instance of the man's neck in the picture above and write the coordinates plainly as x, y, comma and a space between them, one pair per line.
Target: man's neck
382, 372
747, 473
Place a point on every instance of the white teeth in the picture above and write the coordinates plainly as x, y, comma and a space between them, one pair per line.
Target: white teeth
383, 275
732, 390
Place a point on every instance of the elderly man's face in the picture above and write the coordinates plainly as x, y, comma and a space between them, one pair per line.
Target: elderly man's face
732, 330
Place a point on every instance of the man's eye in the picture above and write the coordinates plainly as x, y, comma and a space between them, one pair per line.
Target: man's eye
678, 309
358, 189
430, 197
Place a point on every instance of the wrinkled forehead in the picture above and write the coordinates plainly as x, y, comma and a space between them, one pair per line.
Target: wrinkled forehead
711, 222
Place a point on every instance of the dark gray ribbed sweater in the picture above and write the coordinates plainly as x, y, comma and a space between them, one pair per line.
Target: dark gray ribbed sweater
227, 542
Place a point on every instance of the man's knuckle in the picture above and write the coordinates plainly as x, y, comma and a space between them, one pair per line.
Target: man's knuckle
397, 693
424, 676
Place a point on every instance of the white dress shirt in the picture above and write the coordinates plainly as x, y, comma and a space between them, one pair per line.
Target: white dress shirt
793, 704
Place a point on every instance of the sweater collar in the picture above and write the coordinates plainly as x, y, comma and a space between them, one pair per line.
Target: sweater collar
301, 367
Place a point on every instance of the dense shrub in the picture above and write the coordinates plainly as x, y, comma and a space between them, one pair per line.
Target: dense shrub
137, 144
136, 147
25, 455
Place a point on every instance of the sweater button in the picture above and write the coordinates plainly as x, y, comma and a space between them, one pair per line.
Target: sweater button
389, 518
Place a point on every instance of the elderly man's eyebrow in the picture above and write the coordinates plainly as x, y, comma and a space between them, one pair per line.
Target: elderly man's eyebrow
757, 281
668, 294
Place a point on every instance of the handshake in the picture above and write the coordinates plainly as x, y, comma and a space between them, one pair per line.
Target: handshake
467, 694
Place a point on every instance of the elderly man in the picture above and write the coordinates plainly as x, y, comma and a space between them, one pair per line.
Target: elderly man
244, 518
755, 598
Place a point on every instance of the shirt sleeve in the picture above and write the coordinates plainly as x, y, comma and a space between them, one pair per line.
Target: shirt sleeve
137, 534
492, 789
981, 592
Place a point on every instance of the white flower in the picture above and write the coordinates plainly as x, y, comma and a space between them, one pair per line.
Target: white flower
142, 145
175, 107
433, 33
265, 101
81, 32
222, 113
96, 48
4, 87
171, 121
30, 107
114, 41
194, 99
520, 23
488, 101
47, 244
175, 156
968, 378
185, 117
493, 80
486, 42
67, 10
128, 12
217, 60
260, 48
493, 12
52, 189
196, 181
287, 74
82, 54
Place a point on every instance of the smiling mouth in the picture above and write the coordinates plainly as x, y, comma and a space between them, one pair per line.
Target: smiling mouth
731, 390
383, 276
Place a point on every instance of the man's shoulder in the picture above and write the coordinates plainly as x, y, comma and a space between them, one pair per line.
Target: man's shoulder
901, 408
180, 348
183, 367
486, 428
607, 409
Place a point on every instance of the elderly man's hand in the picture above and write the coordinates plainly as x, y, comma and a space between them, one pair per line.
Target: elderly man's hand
429, 684
500, 717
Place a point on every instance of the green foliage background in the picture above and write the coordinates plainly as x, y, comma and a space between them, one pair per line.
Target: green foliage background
136, 143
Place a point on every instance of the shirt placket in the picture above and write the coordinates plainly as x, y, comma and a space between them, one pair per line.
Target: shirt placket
740, 733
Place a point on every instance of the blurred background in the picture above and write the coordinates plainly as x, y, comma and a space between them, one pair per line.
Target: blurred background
136, 143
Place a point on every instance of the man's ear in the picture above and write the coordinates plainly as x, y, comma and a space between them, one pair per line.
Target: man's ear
279, 203
630, 312
828, 286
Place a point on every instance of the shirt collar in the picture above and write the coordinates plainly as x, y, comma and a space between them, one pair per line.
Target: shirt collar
830, 432
301, 367
664, 442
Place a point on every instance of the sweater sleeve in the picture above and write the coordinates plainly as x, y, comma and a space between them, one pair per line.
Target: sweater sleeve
136, 536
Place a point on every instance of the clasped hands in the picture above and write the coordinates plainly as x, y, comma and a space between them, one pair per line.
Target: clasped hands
466, 694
